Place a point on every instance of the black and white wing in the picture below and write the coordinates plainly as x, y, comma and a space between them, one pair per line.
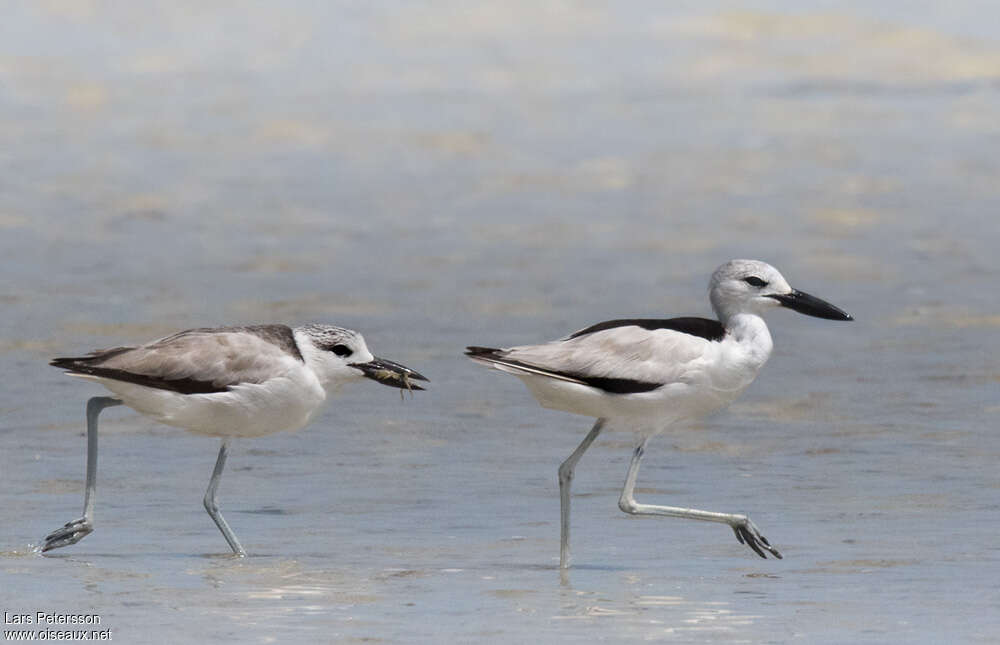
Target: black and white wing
620, 356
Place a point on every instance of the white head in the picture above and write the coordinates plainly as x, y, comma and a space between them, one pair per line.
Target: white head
752, 286
337, 355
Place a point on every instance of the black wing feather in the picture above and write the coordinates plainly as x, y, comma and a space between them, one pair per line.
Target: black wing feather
83, 365
603, 383
701, 327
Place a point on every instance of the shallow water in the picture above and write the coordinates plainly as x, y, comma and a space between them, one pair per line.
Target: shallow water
437, 176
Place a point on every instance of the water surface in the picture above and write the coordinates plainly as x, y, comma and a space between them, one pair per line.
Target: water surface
439, 175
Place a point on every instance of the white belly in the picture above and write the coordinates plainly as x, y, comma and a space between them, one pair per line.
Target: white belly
662, 407
286, 403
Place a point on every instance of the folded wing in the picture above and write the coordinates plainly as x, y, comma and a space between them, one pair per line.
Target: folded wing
621, 359
197, 361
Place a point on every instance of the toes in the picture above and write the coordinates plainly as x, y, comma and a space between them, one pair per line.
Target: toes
751, 542
59, 533
55, 541
71, 533
60, 542
51, 543
749, 535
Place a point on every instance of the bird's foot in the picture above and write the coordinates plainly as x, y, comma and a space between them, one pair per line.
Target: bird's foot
748, 533
71, 533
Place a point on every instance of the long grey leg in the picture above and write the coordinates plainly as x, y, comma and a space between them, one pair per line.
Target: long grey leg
213, 508
565, 482
746, 531
79, 528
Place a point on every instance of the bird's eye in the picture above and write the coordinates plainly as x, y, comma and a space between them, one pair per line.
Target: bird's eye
341, 350
754, 281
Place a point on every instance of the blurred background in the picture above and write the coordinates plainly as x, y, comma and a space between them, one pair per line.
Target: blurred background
437, 174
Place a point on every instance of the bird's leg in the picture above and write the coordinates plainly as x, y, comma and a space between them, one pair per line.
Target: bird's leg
213, 507
79, 528
565, 482
746, 531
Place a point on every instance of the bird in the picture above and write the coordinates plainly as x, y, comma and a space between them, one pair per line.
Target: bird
228, 382
649, 374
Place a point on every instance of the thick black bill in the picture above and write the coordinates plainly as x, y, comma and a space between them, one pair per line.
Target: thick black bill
811, 305
392, 374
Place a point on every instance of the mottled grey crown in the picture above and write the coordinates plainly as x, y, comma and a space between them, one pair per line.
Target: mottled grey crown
326, 337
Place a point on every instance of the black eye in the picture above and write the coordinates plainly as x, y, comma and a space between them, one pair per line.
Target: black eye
754, 281
341, 350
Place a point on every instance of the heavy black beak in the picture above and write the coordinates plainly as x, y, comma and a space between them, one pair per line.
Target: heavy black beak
811, 305
392, 374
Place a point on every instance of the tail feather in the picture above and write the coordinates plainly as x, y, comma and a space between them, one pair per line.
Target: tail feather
482, 352
84, 365
93, 359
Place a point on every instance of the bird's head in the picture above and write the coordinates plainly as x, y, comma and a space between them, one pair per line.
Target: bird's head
339, 355
752, 286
